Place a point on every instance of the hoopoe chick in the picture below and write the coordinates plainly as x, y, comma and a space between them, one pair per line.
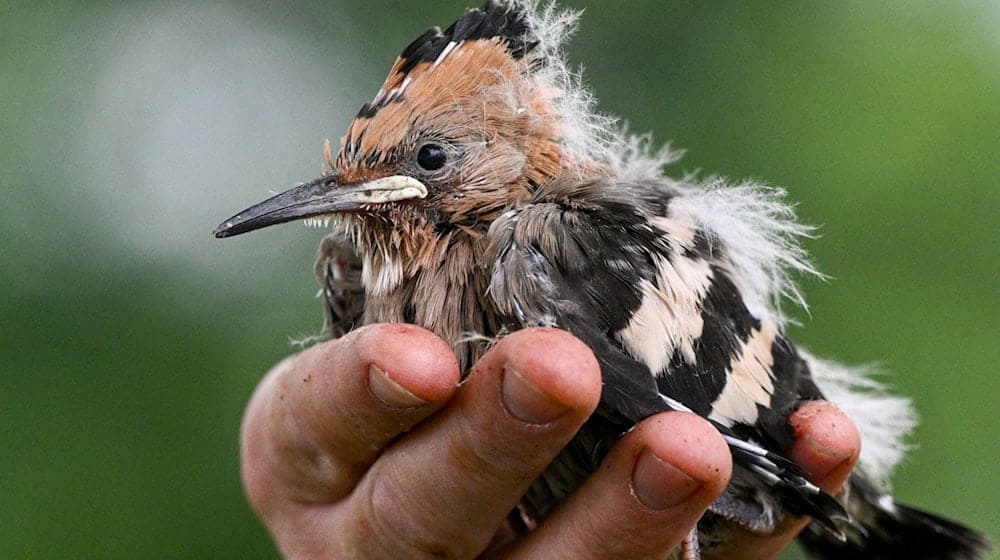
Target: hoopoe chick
478, 194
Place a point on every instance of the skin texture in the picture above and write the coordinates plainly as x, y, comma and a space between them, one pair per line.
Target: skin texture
345, 460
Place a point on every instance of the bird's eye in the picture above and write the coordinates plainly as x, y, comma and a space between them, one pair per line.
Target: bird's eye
431, 157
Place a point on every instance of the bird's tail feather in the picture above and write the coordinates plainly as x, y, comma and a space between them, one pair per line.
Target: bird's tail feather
890, 530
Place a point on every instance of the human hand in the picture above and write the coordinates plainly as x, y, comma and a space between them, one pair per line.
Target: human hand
342, 459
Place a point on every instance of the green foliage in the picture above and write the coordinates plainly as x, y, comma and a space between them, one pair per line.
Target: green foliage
132, 339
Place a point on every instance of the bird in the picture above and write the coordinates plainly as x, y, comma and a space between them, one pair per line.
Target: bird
479, 192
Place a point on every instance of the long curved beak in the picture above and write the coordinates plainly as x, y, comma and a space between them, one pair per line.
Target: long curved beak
321, 196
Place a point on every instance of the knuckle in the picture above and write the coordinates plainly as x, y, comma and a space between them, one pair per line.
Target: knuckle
611, 537
398, 524
490, 455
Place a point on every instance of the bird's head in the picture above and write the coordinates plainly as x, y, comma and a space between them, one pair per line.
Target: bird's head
468, 122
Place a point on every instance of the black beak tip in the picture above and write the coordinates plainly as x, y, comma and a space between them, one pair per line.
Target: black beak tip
223, 230
285, 207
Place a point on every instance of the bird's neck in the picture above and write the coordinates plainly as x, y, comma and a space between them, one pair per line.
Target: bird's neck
441, 288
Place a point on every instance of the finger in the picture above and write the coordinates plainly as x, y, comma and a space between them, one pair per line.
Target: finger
442, 491
648, 494
827, 446
319, 419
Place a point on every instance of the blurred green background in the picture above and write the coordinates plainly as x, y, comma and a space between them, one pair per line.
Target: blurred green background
131, 339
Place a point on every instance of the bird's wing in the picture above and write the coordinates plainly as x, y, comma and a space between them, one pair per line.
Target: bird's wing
556, 266
338, 271
663, 318
647, 293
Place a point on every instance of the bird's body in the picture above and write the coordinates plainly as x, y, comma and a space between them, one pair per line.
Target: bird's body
477, 194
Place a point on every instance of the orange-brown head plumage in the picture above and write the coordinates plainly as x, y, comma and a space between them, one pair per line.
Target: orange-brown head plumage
470, 95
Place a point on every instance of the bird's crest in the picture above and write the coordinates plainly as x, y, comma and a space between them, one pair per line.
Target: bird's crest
491, 28
499, 67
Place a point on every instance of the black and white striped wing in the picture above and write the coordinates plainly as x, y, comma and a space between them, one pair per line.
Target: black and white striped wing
571, 269
665, 322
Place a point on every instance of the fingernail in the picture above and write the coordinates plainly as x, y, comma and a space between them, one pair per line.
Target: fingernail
838, 458
527, 402
389, 392
660, 485
824, 450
